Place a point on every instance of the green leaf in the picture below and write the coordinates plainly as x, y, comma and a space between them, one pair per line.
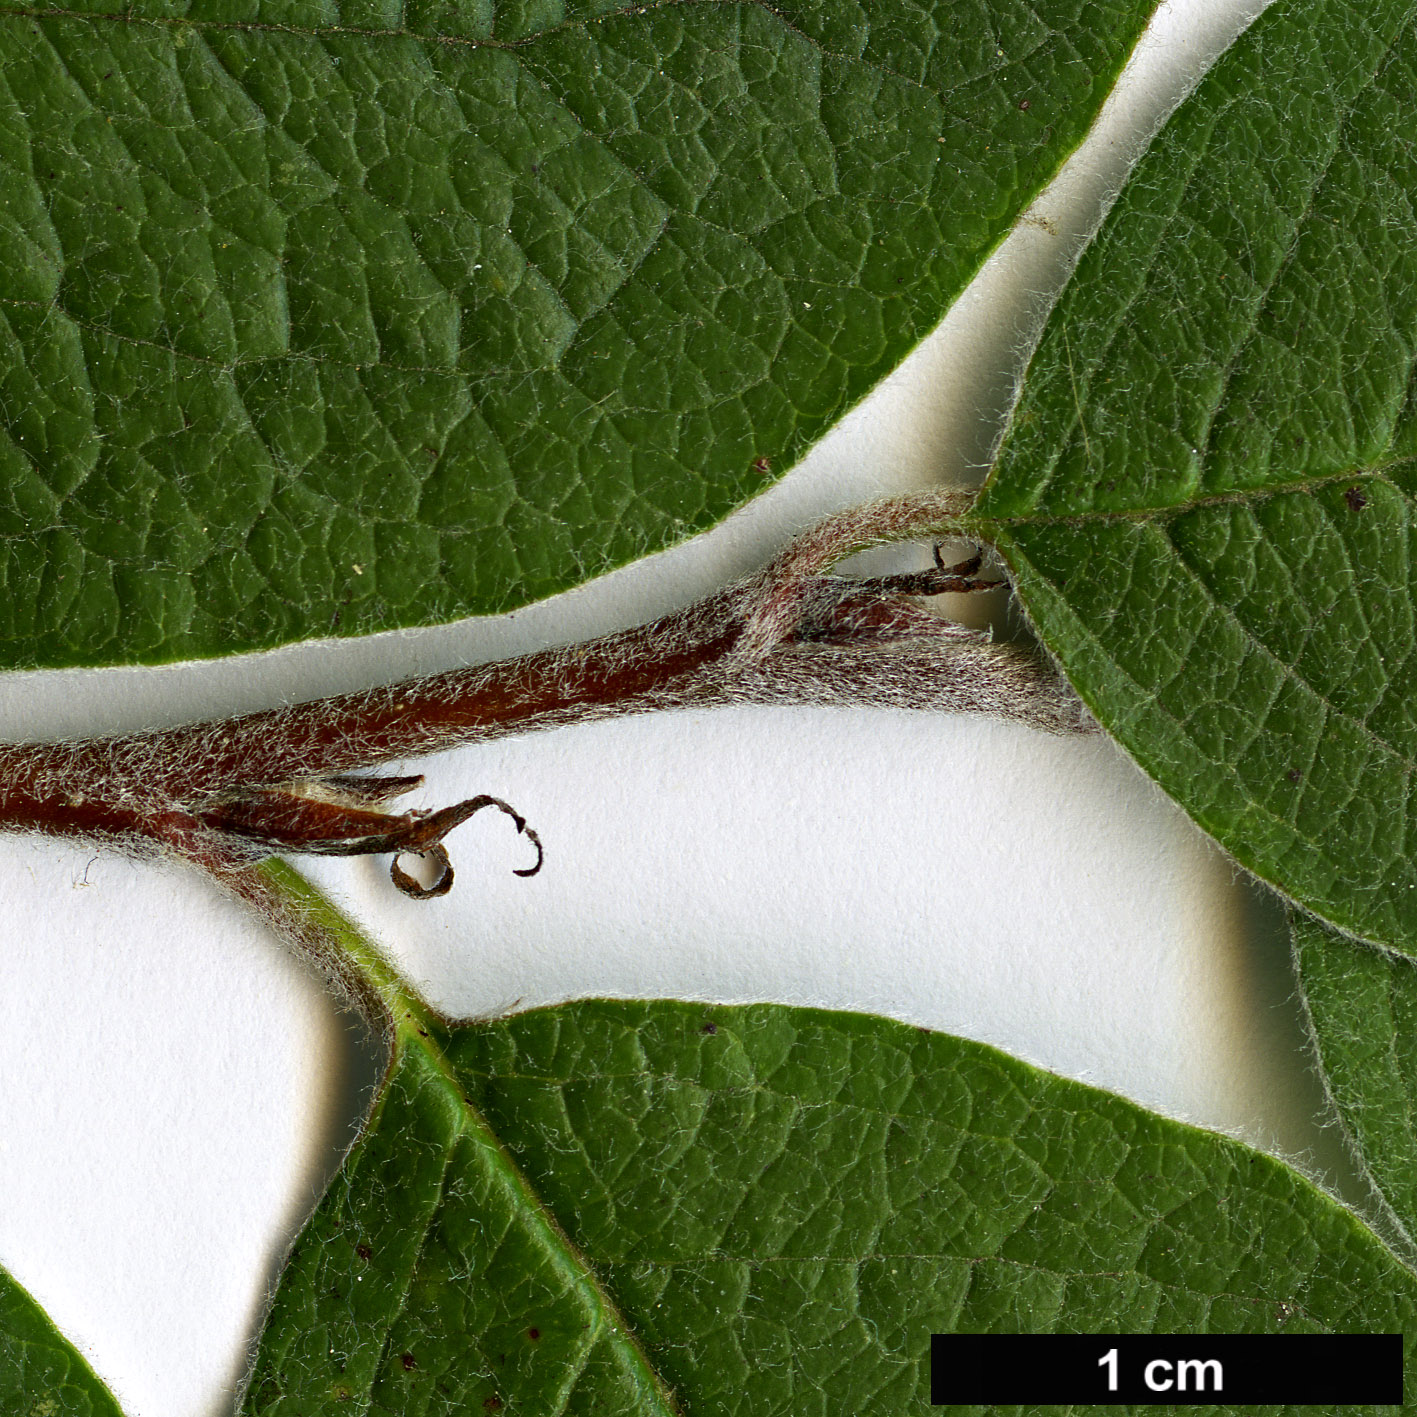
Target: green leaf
1206, 491
328, 318
41, 1375
1362, 1008
769, 1205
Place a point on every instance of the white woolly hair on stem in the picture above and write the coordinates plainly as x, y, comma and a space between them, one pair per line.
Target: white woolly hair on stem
286, 780
909, 517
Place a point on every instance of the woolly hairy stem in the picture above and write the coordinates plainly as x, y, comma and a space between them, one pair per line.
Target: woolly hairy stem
790, 634
319, 932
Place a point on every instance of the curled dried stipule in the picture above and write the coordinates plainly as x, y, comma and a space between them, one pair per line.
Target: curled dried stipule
535, 840
428, 849
410, 887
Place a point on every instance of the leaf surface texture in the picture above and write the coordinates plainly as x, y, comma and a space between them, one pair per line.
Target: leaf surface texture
771, 1209
41, 1374
1206, 492
1362, 1010
324, 318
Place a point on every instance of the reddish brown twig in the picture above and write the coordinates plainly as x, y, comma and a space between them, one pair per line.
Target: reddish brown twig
283, 780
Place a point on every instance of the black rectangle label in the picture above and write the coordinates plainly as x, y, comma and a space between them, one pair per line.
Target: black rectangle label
1171, 1369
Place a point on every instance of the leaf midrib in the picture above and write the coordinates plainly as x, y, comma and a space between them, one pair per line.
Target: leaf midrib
986, 526
559, 1246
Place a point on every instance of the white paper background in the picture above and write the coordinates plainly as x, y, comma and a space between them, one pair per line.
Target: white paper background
174, 1089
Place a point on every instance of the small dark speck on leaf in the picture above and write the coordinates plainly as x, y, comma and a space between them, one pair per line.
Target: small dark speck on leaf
409, 1362
1356, 499
762, 466
534, 1334
1024, 105
364, 1252
492, 1404
709, 1028
109, 74
1294, 775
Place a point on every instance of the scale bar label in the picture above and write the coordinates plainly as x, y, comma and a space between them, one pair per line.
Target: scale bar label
1170, 1369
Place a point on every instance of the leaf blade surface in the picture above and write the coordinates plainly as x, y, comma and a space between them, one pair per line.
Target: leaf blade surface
1205, 493
41, 1373
1362, 1010
784, 1204
324, 319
